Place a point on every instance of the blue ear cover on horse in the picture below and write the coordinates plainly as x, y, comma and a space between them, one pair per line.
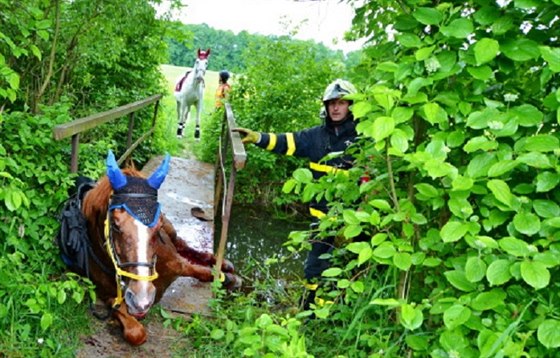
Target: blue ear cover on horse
159, 175
116, 177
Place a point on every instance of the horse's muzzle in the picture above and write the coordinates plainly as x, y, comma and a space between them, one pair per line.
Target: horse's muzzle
139, 303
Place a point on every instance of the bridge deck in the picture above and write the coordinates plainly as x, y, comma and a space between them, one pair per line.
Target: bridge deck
189, 184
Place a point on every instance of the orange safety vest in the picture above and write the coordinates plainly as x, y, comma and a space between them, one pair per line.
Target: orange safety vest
221, 93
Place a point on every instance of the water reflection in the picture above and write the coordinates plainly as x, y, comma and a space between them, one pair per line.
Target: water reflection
254, 237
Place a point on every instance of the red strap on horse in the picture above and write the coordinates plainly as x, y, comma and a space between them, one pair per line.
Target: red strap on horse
179, 84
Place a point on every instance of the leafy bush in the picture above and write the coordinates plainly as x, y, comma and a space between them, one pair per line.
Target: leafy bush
459, 125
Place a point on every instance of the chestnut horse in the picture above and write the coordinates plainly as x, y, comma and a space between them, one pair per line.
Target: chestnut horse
133, 253
189, 91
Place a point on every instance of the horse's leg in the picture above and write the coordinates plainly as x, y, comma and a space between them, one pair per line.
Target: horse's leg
199, 105
192, 255
133, 331
180, 121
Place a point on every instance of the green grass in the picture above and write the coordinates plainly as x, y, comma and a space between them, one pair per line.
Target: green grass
186, 146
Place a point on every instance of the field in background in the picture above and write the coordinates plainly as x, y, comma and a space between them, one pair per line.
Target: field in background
187, 143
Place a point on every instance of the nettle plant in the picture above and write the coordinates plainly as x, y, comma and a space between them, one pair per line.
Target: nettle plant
459, 128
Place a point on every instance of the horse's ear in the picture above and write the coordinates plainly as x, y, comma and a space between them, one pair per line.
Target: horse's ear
159, 175
116, 177
208, 52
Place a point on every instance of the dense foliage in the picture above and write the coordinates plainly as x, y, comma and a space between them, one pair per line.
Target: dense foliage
56, 65
459, 117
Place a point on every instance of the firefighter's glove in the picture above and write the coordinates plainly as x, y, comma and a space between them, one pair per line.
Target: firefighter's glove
248, 136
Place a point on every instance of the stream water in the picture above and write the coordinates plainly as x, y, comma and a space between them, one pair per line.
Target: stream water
254, 237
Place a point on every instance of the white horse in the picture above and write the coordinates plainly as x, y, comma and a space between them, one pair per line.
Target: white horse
189, 91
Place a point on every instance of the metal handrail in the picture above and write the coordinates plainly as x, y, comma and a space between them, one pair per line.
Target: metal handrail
75, 127
239, 157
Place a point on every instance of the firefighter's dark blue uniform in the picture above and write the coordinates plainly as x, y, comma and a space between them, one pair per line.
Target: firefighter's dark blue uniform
315, 143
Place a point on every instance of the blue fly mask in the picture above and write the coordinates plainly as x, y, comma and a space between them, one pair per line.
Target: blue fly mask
138, 196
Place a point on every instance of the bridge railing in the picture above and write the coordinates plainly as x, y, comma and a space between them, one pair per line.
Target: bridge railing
231, 158
75, 127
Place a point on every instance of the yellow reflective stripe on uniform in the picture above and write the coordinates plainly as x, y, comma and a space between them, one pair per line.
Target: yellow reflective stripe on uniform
316, 213
326, 168
312, 286
291, 144
271, 141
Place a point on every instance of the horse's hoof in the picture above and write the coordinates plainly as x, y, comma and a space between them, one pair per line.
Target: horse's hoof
232, 282
197, 133
180, 132
227, 266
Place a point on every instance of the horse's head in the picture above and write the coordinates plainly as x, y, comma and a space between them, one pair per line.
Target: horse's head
131, 231
200, 64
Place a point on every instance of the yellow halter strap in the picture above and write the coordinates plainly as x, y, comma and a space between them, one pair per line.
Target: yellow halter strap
120, 272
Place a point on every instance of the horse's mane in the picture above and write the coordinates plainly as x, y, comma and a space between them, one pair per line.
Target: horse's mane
96, 201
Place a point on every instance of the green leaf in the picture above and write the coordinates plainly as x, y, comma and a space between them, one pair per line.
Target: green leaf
356, 247
480, 164
409, 40
385, 302
527, 223
462, 183
411, 317
416, 84
552, 56
402, 114
483, 73
547, 181
427, 15
548, 333
458, 28
423, 53
453, 231
541, 143
514, 246
385, 250
502, 167
332, 272
361, 109
546, 208
535, 160
527, 115
455, 316
458, 280
433, 113
380, 204
488, 300
303, 175
427, 190
501, 191
217, 334
365, 255
402, 260
480, 143
475, 269
46, 321
383, 127
520, 49
352, 231
486, 50
535, 274
498, 272
480, 119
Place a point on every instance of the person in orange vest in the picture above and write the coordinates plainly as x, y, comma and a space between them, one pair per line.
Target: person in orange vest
223, 88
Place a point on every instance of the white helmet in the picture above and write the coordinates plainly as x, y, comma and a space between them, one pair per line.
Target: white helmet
337, 89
